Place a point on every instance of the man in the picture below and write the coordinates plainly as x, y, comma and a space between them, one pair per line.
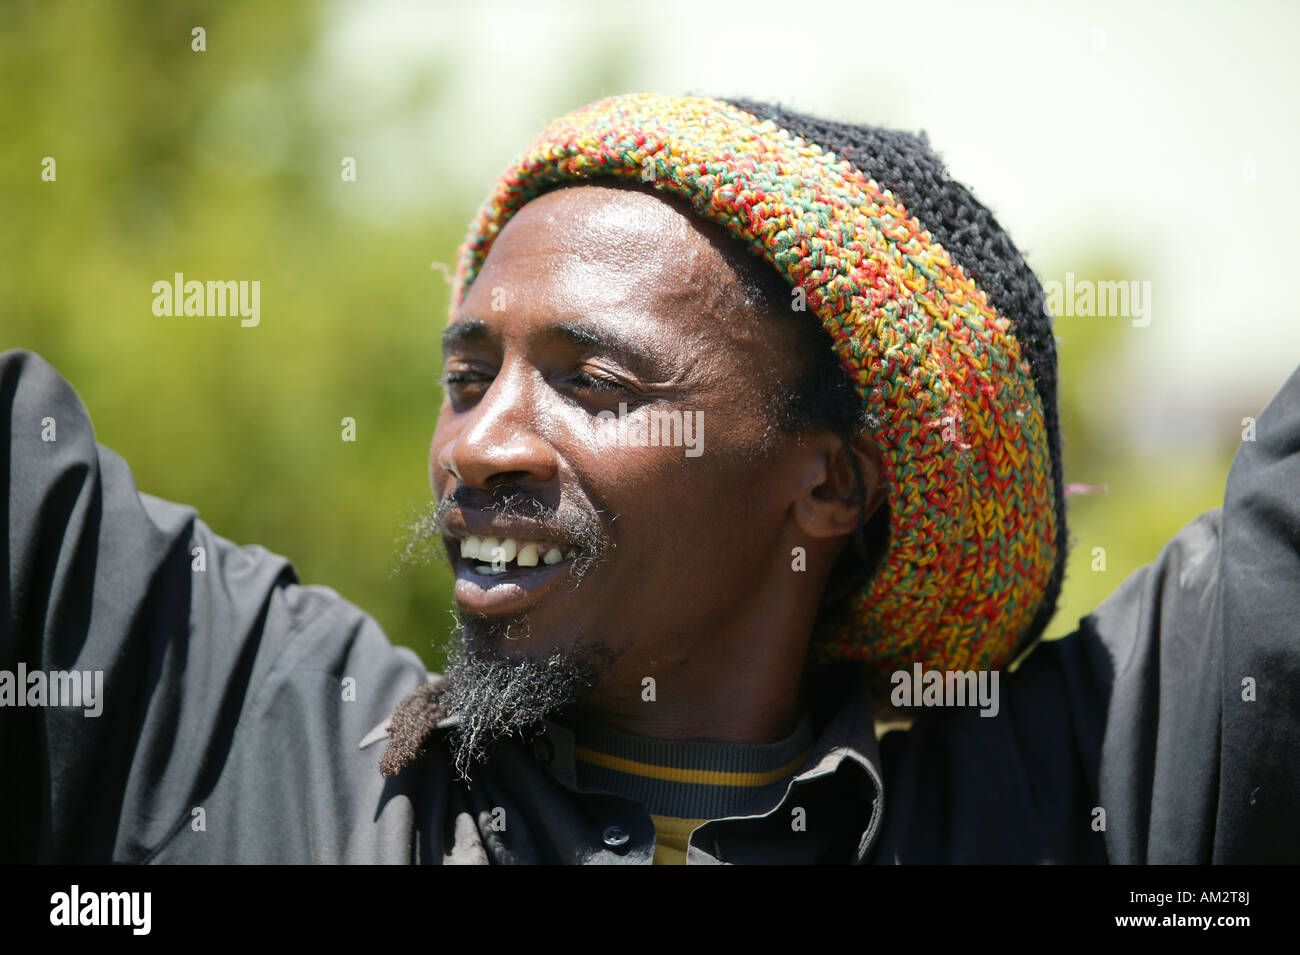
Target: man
749, 427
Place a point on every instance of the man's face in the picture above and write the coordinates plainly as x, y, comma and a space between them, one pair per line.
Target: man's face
591, 297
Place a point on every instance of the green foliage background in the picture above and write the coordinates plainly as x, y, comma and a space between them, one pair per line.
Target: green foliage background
225, 165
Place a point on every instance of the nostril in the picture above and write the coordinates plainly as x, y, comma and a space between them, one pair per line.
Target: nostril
503, 483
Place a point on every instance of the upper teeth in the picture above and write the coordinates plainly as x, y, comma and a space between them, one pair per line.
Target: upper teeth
500, 552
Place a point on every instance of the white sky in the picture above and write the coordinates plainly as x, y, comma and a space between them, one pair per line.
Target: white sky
1168, 130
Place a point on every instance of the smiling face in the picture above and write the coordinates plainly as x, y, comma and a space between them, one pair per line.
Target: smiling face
599, 310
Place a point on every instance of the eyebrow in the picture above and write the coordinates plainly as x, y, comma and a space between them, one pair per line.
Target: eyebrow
472, 331
596, 338
607, 341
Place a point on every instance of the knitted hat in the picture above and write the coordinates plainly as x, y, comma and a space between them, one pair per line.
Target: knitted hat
936, 319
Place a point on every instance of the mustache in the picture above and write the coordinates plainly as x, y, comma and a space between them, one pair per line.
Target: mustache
577, 526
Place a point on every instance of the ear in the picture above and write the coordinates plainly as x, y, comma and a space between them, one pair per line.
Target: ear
828, 502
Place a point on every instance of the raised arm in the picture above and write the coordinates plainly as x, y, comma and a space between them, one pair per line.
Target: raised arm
179, 671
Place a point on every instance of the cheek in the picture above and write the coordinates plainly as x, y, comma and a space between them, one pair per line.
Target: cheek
714, 485
696, 524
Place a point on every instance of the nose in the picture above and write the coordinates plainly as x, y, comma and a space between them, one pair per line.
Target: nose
498, 441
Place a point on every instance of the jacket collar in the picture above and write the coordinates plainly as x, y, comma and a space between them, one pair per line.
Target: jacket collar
846, 751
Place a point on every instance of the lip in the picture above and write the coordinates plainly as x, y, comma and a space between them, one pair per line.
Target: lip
458, 526
508, 593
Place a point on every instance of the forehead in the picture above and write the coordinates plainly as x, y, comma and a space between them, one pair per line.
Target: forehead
609, 251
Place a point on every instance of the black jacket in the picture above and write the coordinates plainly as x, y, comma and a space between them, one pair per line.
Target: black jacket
243, 714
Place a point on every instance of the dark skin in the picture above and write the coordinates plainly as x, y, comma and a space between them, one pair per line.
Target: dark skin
699, 591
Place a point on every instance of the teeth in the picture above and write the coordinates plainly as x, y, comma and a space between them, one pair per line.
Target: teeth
491, 551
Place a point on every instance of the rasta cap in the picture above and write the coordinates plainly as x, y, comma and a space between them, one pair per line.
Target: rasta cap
935, 317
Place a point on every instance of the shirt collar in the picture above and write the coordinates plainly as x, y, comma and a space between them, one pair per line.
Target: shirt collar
686, 779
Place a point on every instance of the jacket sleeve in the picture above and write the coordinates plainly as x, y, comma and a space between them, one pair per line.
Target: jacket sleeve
1200, 651
146, 645
1165, 729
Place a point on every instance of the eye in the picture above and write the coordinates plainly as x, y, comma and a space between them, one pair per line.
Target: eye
464, 386
463, 377
595, 382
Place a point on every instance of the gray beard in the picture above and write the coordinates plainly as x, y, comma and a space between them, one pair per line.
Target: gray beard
497, 697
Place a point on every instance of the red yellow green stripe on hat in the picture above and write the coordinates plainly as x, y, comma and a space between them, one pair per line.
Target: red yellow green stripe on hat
951, 400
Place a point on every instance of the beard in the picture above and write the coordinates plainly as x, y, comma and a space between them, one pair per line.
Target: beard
498, 696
